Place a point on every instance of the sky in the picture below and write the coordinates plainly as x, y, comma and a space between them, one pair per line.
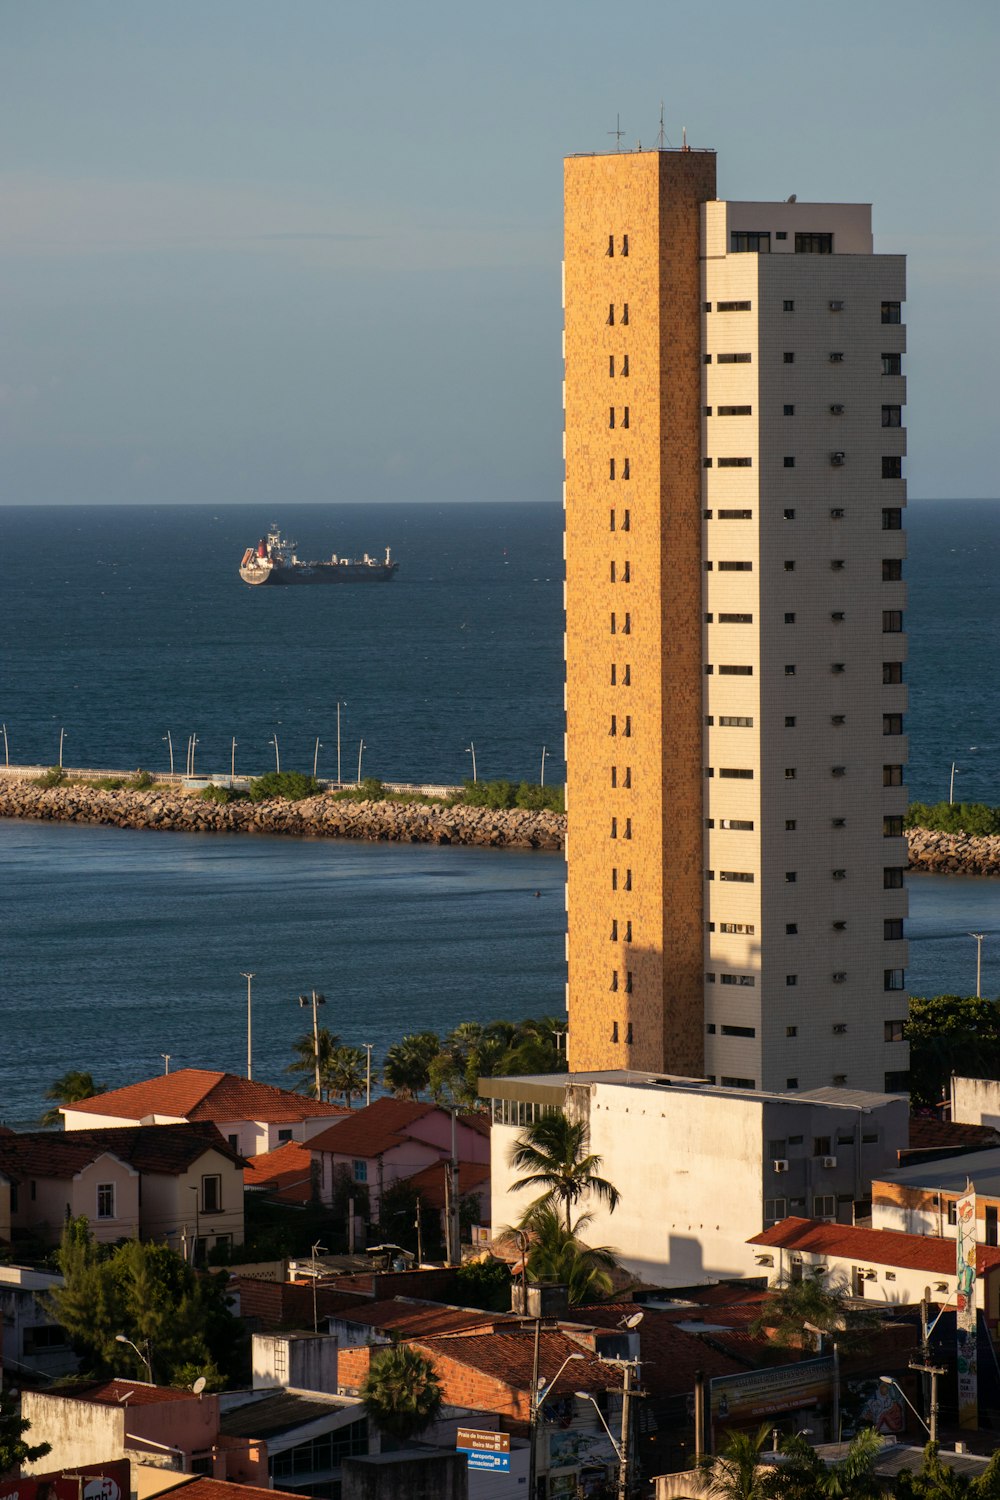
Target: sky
310, 249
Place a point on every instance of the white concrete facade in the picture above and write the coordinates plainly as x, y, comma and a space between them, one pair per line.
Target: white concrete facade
701, 1169
803, 649
975, 1101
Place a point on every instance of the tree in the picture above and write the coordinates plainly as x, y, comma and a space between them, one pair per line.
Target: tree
14, 1451
71, 1088
304, 1066
736, 1472
804, 1476
484, 1283
811, 1300
552, 1152
950, 1034
401, 1392
178, 1319
933, 1481
347, 1074
405, 1069
557, 1254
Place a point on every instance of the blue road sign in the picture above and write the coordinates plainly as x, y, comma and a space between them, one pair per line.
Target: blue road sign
498, 1463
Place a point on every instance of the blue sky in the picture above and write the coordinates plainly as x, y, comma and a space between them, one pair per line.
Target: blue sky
310, 250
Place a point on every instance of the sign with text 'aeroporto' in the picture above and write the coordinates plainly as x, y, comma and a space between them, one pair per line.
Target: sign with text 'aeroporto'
485, 1449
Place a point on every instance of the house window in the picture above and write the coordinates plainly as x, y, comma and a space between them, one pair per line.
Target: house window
359, 1170
753, 241
284, 1135
234, 1141
105, 1200
991, 1226
211, 1195
814, 244
892, 364
892, 312
953, 1211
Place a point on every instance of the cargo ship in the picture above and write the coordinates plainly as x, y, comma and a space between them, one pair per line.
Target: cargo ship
274, 560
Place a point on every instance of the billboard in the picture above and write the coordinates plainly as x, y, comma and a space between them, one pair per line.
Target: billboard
965, 1312
736, 1399
106, 1481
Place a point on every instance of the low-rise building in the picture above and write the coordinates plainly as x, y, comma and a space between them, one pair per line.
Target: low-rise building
702, 1168
306, 1434
32, 1342
880, 1265
921, 1199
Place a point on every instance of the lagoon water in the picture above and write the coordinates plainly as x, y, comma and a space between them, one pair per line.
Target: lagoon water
119, 946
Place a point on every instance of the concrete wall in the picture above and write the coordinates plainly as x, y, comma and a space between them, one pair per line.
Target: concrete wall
975, 1101
22, 1312
420, 1476
307, 1363
80, 1432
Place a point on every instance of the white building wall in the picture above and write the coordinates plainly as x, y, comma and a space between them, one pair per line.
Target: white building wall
975, 1101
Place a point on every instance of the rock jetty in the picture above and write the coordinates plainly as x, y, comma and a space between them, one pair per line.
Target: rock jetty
313, 817
953, 853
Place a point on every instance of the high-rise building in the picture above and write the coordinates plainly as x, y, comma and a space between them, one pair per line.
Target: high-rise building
734, 632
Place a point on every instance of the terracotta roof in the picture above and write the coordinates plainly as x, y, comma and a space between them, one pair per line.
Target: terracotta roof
167, 1149
200, 1094
285, 1173
126, 1393
373, 1130
221, 1489
507, 1355
930, 1134
670, 1355
886, 1247
478, 1120
423, 1319
429, 1181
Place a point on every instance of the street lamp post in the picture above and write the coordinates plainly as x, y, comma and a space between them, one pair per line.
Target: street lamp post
6, 752
166, 1061
317, 999
544, 754
249, 979
62, 736
315, 1277
339, 783
277, 753
951, 784
232, 763
979, 962
472, 751
538, 1390
121, 1339
622, 1448
316, 757
361, 750
368, 1072
170, 748
197, 1226
933, 1371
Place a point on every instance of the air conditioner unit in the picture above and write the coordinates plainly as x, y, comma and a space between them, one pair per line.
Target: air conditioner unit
839, 978
838, 614
838, 770
839, 822
781, 1165
837, 514
840, 874
838, 459
837, 409
838, 718
829, 1161
840, 926
836, 358
836, 306
871, 1275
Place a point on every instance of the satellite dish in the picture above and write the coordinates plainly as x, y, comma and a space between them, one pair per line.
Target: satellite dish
634, 1320
199, 1385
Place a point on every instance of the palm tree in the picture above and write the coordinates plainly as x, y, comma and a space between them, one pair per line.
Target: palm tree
806, 1477
557, 1254
811, 1300
736, 1473
552, 1152
71, 1088
305, 1061
405, 1070
401, 1392
347, 1073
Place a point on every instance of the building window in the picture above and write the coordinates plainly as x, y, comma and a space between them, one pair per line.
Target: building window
734, 359
892, 364
892, 723
732, 411
892, 828
789, 721
611, 468
742, 981
105, 1200
892, 312
788, 461
735, 515
739, 1031
744, 877
729, 670
788, 357
628, 1033
736, 773
791, 1031
752, 241
892, 776
611, 417
624, 244
892, 929
953, 1212
791, 1083
892, 467
775, 1209
613, 986
234, 1141
733, 307
892, 673
211, 1194
736, 721
892, 519
625, 364
735, 619
624, 312
736, 567
744, 825
892, 621
791, 929
790, 666
283, 1136
892, 569
789, 565
359, 1170
614, 1031
791, 979
814, 244
788, 411
788, 305
892, 878
894, 979
737, 1083
892, 416
897, 1081
790, 773
788, 515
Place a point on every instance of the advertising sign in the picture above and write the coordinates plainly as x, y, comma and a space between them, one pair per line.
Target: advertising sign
106, 1481
485, 1449
965, 1312
736, 1399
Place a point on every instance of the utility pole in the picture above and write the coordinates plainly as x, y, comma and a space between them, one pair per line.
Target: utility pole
979, 962
456, 1228
699, 1416
62, 736
447, 1213
249, 980
232, 763
623, 1467
368, 1072
533, 1413
420, 1234
951, 786
6, 751
361, 750
933, 1371
170, 748
338, 746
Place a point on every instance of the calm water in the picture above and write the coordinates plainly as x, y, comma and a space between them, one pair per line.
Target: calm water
117, 946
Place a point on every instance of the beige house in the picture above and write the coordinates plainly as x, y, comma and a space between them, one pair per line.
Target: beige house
252, 1117
179, 1184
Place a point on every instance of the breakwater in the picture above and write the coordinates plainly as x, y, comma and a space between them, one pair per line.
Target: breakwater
953, 853
170, 810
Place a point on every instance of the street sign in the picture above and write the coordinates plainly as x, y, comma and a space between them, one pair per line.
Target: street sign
497, 1463
482, 1440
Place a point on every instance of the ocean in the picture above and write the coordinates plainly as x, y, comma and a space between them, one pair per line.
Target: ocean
124, 623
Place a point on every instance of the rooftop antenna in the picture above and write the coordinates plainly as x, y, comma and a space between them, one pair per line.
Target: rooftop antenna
618, 132
661, 139
166, 1061
684, 138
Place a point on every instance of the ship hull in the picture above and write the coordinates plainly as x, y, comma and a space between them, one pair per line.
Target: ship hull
324, 573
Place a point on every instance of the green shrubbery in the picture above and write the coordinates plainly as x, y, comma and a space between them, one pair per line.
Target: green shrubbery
370, 790
503, 794
221, 795
54, 776
292, 785
973, 818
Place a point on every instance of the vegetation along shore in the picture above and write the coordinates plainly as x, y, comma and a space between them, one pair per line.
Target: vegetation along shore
943, 840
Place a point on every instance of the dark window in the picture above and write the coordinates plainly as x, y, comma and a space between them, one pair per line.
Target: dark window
892, 518
892, 621
744, 877
788, 411
739, 1031
892, 569
736, 773
788, 305
791, 876
735, 671
211, 1195
892, 929
752, 240
735, 515
734, 411
892, 877
892, 776
736, 567
814, 244
892, 416
788, 515
788, 461
892, 467
897, 1082
735, 463
892, 827
892, 723
894, 979
732, 306
789, 721
734, 359
788, 357
892, 312
892, 364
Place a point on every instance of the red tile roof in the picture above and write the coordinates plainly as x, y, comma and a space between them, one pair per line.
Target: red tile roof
423, 1319
429, 1181
885, 1247
507, 1354
285, 1173
126, 1393
670, 1355
929, 1134
200, 1094
154, 1149
373, 1130
44, 1153
221, 1489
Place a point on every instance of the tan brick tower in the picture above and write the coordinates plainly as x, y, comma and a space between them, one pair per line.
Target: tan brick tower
633, 589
